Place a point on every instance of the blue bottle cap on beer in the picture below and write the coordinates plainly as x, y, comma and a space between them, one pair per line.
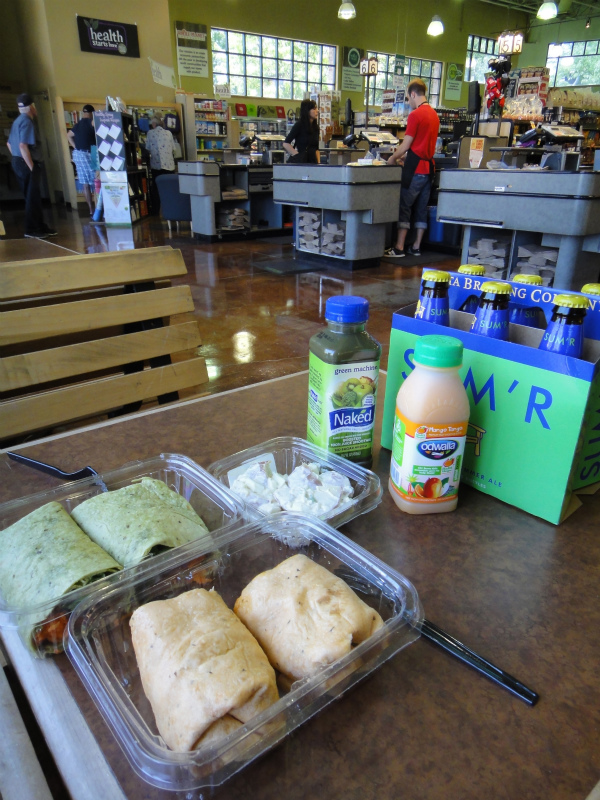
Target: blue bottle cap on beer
347, 308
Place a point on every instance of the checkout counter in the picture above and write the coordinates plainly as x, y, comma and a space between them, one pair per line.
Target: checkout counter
230, 199
341, 212
561, 206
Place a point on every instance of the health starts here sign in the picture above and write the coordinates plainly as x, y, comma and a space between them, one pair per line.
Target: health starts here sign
108, 38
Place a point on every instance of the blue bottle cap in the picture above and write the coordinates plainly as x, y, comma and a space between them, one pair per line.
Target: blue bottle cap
347, 308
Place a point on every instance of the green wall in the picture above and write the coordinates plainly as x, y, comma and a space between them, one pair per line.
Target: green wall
541, 35
390, 26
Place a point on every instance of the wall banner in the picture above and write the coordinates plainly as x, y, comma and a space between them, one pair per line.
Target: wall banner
352, 80
108, 38
161, 74
192, 49
454, 79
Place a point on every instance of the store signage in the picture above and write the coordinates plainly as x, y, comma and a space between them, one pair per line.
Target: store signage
399, 80
476, 152
222, 90
161, 74
510, 42
108, 38
352, 80
454, 78
368, 66
192, 49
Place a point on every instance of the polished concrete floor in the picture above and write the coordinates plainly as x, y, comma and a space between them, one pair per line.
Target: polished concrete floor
255, 325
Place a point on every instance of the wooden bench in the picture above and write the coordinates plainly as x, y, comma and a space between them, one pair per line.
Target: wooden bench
93, 334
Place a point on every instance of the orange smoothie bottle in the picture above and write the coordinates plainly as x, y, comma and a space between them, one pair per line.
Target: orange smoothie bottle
430, 429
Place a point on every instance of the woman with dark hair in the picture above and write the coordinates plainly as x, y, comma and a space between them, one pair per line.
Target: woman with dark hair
305, 136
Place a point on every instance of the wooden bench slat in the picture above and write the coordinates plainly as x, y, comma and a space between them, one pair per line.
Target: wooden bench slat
51, 275
74, 402
43, 366
27, 325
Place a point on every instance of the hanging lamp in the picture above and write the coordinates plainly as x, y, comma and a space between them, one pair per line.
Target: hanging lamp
547, 10
346, 10
436, 26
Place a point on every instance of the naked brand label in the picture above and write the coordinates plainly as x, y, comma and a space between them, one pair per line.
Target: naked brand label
108, 38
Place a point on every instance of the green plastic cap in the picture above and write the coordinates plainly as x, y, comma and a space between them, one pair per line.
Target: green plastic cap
439, 351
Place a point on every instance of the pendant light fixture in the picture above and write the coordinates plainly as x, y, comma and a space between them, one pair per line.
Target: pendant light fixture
547, 11
436, 26
346, 10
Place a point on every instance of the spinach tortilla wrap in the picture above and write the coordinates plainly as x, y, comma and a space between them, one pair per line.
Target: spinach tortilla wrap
140, 519
44, 556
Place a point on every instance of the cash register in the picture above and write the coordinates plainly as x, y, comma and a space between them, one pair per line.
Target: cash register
271, 146
377, 140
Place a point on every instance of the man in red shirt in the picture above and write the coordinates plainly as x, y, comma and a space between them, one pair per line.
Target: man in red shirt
416, 156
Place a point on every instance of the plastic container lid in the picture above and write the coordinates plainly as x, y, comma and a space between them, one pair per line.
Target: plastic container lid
347, 308
436, 275
496, 287
532, 280
439, 351
591, 288
571, 301
472, 269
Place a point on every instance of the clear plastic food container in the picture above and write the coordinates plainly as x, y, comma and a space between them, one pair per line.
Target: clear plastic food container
286, 453
98, 643
216, 505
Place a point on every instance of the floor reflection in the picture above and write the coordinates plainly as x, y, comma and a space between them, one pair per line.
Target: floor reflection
255, 325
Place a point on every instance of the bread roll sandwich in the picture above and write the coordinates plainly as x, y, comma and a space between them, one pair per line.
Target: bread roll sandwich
203, 672
304, 617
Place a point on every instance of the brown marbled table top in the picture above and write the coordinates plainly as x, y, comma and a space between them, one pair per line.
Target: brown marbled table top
521, 592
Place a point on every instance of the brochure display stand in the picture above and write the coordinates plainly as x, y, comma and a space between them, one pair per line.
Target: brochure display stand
124, 180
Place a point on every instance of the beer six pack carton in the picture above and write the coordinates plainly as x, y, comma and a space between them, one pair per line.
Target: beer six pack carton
533, 438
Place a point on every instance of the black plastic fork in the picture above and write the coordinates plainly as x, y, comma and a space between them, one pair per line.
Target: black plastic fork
86, 472
452, 645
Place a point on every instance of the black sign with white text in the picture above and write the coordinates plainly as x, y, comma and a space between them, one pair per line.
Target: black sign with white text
108, 38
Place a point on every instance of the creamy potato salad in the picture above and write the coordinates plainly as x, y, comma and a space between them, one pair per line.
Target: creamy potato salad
308, 490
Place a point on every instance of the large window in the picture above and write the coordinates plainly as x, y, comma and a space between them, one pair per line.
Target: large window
429, 71
266, 66
479, 51
574, 63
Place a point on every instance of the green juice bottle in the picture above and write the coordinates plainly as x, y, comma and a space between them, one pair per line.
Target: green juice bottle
342, 382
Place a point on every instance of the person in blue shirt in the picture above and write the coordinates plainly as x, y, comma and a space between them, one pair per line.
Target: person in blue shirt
26, 164
82, 137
